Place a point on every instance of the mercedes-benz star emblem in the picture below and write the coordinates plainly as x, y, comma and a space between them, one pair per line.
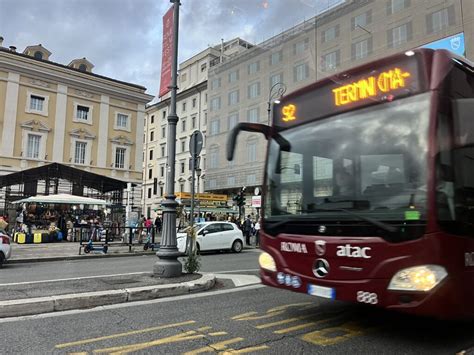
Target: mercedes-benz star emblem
320, 246
321, 268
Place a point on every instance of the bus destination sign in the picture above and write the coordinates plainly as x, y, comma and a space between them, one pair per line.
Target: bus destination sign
354, 90
371, 86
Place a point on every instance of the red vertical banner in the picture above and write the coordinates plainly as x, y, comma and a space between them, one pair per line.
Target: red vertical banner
167, 52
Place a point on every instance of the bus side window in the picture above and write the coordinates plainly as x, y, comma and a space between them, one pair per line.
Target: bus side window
461, 92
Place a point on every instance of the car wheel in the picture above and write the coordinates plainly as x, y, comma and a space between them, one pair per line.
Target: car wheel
86, 249
237, 246
2, 259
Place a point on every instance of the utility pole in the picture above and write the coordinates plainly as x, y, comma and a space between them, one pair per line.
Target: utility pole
168, 264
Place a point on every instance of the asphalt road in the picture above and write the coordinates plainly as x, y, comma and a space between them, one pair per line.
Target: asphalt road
253, 319
214, 262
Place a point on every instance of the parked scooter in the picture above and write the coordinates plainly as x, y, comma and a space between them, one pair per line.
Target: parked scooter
90, 247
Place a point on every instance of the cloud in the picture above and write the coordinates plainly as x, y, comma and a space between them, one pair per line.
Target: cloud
122, 38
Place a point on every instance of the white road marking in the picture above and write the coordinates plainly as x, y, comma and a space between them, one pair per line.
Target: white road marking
130, 304
240, 280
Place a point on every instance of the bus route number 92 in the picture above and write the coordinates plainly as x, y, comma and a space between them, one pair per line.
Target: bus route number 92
367, 297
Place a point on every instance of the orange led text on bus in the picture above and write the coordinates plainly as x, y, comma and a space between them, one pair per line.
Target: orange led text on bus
288, 112
373, 85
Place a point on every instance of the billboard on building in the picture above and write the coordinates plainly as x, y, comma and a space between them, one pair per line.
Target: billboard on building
166, 53
454, 43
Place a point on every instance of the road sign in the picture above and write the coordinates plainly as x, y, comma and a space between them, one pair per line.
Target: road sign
257, 201
256, 191
195, 143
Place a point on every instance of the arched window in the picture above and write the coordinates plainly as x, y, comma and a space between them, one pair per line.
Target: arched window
82, 67
38, 55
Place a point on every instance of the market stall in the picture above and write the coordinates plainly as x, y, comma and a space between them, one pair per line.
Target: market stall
50, 218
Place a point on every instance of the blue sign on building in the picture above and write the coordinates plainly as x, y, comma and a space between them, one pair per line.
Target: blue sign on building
453, 43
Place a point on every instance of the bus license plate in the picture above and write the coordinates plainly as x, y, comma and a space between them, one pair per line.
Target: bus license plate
321, 291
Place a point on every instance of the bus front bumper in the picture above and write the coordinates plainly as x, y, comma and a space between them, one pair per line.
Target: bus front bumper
441, 302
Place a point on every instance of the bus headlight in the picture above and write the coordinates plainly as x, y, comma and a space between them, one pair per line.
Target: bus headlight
267, 262
418, 278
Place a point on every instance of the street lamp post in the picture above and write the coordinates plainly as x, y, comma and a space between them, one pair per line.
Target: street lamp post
276, 92
198, 174
168, 264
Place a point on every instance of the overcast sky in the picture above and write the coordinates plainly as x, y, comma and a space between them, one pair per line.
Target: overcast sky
122, 38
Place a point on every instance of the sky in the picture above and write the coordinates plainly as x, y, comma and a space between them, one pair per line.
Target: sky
122, 38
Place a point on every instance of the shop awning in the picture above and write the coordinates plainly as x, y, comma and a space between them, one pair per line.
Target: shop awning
63, 199
211, 210
55, 170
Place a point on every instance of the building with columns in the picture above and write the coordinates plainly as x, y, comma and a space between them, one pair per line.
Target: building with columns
50, 112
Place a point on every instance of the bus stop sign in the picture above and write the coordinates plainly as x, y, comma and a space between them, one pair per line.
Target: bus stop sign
195, 143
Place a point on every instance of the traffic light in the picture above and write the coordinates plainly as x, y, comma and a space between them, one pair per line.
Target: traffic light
239, 199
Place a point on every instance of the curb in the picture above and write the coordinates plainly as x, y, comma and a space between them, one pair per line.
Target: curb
77, 257
31, 306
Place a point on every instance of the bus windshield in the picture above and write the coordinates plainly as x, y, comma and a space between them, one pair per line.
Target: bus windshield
363, 165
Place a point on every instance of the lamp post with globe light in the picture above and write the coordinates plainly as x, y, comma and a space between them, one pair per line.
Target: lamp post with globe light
276, 92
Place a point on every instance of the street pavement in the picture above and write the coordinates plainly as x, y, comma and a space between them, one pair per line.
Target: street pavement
250, 319
35, 288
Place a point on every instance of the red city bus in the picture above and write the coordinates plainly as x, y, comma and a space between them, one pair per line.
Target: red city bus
369, 186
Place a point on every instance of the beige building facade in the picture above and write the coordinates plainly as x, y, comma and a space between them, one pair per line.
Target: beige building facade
50, 112
347, 35
192, 111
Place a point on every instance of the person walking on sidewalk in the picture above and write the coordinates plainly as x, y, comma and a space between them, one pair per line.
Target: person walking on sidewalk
247, 229
158, 224
257, 233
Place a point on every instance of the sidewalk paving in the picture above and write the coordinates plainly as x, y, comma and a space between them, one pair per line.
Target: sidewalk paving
69, 250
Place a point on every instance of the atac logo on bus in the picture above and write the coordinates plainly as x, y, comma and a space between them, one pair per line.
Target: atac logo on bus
353, 251
371, 86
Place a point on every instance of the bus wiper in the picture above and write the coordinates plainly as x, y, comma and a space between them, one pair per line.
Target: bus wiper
386, 227
281, 222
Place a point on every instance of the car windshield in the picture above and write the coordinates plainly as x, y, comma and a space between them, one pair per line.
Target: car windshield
371, 161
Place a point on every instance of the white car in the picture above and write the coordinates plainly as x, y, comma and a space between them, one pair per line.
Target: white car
5, 248
214, 236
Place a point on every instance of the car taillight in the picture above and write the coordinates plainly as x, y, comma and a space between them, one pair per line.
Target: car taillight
5, 240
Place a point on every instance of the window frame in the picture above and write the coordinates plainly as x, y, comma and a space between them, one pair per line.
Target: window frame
89, 119
127, 128
45, 104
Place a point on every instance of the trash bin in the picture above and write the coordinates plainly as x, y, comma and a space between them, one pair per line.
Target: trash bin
20, 238
37, 238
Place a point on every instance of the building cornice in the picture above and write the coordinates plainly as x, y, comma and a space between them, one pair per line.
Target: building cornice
58, 73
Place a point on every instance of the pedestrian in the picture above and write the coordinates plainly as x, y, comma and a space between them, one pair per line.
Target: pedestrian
158, 223
257, 233
247, 229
